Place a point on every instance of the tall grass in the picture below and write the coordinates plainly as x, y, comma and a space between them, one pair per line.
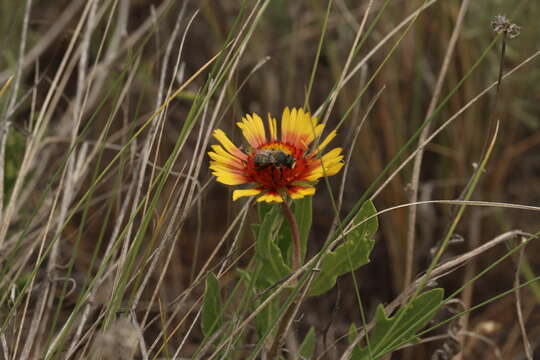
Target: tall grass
110, 221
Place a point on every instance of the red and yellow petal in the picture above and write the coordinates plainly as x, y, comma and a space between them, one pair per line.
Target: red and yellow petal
221, 168
228, 175
228, 144
293, 125
270, 196
299, 129
296, 126
253, 130
298, 192
285, 125
219, 150
226, 159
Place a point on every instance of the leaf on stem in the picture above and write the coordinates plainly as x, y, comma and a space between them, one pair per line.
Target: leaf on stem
350, 255
211, 318
392, 332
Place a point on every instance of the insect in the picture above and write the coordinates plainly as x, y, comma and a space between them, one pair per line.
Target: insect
267, 157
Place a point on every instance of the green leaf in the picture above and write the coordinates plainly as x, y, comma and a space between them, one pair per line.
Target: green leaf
211, 318
15, 148
392, 332
352, 254
267, 317
264, 209
307, 348
273, 266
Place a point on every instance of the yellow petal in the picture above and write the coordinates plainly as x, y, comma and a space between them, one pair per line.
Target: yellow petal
299, 128
333, 155
272, 126
228, 145
285, 125
310, 135
329, 164
230, 179
318, 130
219, 167
295, 125
245, 192
326, 141
228, 161
253, 129
218, 149
333, 169
258, 122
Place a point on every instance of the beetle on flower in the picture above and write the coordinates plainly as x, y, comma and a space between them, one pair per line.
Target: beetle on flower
276, 166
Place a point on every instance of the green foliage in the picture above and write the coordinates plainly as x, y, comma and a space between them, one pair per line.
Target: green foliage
270, 257
350, 255
273, 255
307, 348
211, 318
273, 240
265, 319
15, 148
392, 332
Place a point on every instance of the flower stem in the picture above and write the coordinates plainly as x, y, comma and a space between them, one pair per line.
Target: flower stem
295, 234
296, 263
282, 327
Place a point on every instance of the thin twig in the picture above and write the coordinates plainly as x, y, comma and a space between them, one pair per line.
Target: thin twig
521, 322
448, 122
470, 270
350, 153
415, 178
350, 57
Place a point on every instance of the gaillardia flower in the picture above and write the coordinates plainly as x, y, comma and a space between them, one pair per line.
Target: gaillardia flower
275, 165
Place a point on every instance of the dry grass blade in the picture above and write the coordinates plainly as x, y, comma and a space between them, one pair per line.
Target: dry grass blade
521, 321
409, 262
449, 121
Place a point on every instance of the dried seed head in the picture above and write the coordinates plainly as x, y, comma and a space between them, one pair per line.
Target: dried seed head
501, 25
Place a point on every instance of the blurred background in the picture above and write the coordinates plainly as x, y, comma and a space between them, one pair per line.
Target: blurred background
129, 44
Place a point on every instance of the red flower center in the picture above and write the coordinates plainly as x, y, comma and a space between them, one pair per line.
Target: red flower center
275, 165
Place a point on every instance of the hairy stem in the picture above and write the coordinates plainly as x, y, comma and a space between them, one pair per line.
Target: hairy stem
295, 235
296, 264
